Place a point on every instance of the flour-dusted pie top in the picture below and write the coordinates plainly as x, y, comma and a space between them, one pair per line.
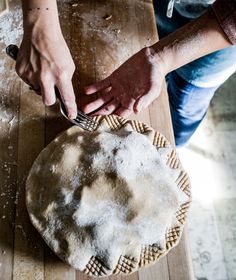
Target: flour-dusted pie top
103, 194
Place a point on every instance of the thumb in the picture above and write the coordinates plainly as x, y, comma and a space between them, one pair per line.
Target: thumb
144, 101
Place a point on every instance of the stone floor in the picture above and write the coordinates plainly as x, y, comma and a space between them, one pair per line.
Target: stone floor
210, 159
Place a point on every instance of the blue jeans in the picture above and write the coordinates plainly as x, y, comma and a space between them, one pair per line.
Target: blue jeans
188, 106
191, 87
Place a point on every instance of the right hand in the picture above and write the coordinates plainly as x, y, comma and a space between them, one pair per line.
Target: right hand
133, 86
44, 62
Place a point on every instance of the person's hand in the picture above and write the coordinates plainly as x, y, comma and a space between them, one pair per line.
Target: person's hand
130, 88
44, 62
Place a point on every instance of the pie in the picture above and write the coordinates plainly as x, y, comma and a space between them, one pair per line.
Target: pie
109, 201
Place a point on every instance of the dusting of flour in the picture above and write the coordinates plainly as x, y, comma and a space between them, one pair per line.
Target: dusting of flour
10, 33
102, 194
11, 27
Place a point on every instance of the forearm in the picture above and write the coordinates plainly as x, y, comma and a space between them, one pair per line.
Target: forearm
40, 13
194, 40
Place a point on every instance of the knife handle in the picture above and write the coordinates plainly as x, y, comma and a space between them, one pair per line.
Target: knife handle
12, 51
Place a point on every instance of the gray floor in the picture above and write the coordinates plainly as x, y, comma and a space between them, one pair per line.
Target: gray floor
210, 159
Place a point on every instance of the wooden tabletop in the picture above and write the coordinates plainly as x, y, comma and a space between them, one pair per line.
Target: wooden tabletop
101, 35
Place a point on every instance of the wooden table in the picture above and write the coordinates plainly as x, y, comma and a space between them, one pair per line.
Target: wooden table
3, 7
98, 45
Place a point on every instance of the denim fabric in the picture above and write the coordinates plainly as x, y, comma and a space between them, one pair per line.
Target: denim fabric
188, 106
211, 70
167, 25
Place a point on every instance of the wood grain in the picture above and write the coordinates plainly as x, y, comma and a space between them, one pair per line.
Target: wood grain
3, 7
179, 269
9, 106
158, 271
28, 245
98, 47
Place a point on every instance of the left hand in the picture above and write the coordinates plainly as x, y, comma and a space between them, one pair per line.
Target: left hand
130, 88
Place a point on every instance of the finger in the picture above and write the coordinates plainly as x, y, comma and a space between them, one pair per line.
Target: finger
126, 100
48, 93
33, 82
144, 101
67, 94
123, 112
27, 81
96, 104
109, 108
32, 85
97, 86
25, 75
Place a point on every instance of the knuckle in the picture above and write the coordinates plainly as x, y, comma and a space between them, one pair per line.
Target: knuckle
44, 77
61, 74
72, 68
65, 72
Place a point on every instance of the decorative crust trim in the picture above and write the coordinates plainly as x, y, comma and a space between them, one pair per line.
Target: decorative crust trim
149, 253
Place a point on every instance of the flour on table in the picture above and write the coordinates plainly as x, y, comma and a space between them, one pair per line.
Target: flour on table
11, 31
11, 27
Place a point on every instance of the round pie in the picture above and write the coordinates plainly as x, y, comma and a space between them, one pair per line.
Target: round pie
108, 201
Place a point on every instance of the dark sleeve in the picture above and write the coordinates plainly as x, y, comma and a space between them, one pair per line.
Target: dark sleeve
225, 11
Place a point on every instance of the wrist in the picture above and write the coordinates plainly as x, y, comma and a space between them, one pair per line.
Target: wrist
35, 20
162, 57
40, 15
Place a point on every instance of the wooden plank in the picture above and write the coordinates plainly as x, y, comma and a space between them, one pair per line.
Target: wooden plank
27, 262
9, 105
133, 276
180, 261
82, 276
54, 268
160, 116
82, 47
158, 271
3, 7
28, 249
